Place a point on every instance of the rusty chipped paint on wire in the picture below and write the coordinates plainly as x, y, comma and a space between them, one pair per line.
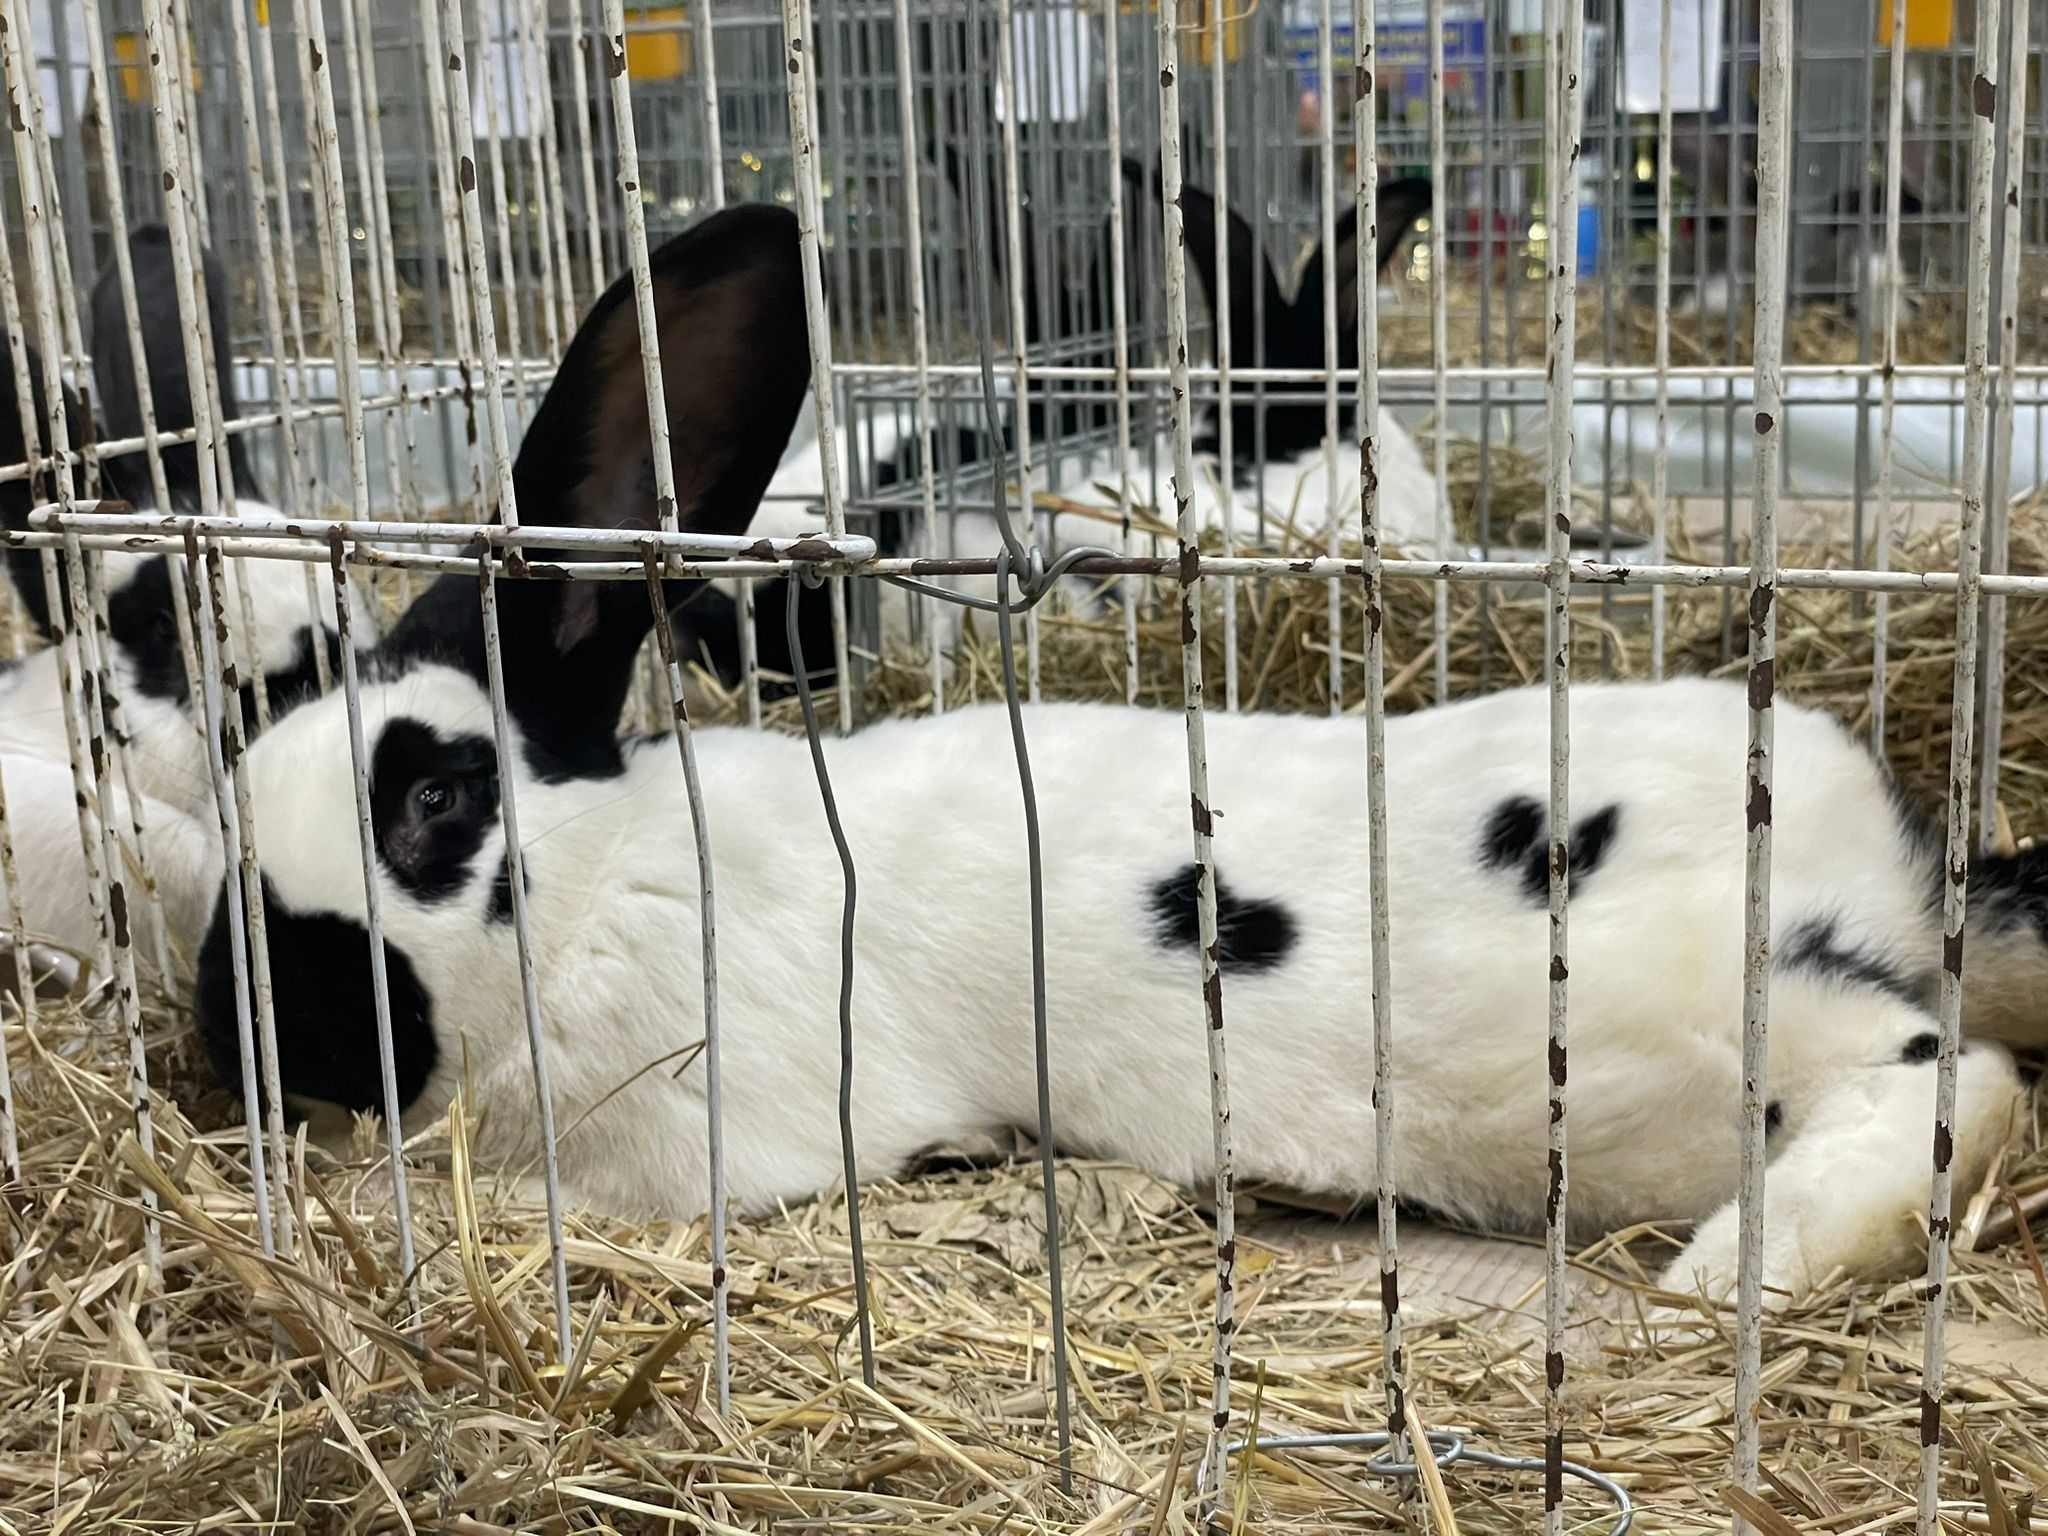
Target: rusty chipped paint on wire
1660, 463
1225, 1320
1439, 352
1219, 303
801, 91
1120, 343
1998, 500
233, 747
212, 711
1326, 165
127, 1001
1365, 128
920, 345
1774, 112
483, 319
1985, 91
1563, 32
529, 984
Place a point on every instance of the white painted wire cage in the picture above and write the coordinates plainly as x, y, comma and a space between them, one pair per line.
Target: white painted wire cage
1691, 276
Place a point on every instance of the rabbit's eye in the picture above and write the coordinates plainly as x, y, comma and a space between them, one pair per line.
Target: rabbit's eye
433, 798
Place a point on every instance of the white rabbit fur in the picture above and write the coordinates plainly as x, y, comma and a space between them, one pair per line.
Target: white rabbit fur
942, 995
942, 990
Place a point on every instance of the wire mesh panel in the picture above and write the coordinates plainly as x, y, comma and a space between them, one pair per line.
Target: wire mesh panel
557, 875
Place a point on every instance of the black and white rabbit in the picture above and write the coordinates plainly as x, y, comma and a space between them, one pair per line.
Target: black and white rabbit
166, 752
1069, 313
942, 991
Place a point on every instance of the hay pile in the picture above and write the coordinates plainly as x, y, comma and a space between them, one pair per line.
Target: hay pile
120, 1411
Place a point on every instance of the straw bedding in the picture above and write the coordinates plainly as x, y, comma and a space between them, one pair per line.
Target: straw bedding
253, 1393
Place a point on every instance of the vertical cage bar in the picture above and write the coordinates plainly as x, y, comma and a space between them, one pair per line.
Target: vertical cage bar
1564, 22
1984, 93
1020, 337
920, 339
707, 917
796, 36
581, 45
1660, 465
347, 360
509, 275
627, 145
234, 746
128, 1003
1365, 135
373, 924
1129, 589
1225, 1321
529, 982
212, 710
1219, 322
454, 225
1774, 177
1326, 165
1439, 347
1888, 396
548, 174
21, 84
483, 317
714, 128
1998, 502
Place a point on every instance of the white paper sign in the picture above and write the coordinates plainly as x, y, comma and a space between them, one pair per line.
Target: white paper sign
1056, 30
1640, 61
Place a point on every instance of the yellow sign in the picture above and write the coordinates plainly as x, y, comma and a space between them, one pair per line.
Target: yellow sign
1203, 16
131, 63
1929, 23
658, 43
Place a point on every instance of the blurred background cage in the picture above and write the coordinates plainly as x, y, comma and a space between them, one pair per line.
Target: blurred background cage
1874, 388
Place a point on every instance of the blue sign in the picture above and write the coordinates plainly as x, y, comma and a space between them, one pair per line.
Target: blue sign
1401, 45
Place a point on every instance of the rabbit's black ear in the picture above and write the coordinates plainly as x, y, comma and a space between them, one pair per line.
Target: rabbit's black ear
163, 351
1401, 203
729, 314
1248, 265
735, 363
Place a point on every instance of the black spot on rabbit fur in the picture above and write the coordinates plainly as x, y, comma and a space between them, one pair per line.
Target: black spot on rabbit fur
320, 973
1516, 835
1814, 946
1774, 1118
1251, 935
432, 802
1924, 1046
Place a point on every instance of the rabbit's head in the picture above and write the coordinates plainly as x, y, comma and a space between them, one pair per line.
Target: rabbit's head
728, 300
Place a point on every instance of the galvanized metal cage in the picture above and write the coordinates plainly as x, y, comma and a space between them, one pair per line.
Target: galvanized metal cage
418, 202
